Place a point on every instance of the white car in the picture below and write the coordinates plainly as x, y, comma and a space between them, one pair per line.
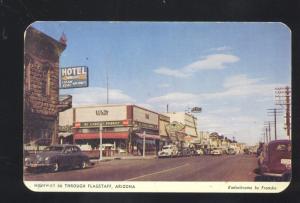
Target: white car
199, 152
216, 151
168, 151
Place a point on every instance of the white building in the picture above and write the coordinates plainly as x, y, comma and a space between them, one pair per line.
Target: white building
188, 121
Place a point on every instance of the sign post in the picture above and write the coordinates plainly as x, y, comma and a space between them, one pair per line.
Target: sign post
100, 141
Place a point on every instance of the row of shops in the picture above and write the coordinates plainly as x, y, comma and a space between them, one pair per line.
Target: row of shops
123, 128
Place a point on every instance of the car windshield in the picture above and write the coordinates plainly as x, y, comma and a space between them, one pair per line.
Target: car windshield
53, 148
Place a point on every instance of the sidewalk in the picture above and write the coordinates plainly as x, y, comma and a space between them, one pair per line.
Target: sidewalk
123, 157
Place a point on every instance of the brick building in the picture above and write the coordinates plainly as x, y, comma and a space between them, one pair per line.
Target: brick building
41, 86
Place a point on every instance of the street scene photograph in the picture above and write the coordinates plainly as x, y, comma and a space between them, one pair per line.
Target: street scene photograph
165, 102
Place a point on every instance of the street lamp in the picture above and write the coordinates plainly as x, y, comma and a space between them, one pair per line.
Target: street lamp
100, 141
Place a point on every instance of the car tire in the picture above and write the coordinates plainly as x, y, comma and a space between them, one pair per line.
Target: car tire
83, 164
56, 167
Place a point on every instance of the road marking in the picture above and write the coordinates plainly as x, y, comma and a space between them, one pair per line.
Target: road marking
163, 171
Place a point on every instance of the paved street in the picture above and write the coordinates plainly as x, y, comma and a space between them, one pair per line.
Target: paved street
203, 168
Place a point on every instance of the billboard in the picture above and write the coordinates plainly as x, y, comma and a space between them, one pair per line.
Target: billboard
74, 77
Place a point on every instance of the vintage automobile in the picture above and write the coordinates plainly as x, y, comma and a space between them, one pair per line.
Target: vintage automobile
168, 151
275, 160
216, 151
231, 151
185, 151
37, 145
56, 157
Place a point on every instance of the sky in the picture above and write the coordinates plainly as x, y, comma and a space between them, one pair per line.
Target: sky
230, 70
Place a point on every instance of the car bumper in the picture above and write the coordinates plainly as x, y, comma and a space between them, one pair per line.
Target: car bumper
279, 175
32, 165
164, 155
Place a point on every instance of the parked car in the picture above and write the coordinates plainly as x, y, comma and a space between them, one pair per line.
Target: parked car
199, 152
56, 157
185, 151
216, 151
275, 159
231, 151
37, 145
168, 151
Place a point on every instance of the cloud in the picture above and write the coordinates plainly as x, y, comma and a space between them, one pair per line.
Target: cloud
241, 85
171, 72
223, 48
228, 110
97, 95
239, 80
234, 86
174, 97
177, 101
210, 62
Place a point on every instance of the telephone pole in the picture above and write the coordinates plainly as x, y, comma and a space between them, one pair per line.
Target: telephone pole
268, 127
274, 112
283, 98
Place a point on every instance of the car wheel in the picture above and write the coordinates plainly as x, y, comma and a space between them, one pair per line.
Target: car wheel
55, 167
83, 164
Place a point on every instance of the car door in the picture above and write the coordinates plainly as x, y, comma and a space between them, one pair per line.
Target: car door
76, 156
67, 157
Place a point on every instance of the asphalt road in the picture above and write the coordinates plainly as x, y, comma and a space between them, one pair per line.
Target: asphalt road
202, 168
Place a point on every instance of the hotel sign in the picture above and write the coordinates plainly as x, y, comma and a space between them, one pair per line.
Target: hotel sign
74, 77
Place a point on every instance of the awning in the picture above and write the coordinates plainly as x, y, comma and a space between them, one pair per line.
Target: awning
105, 135
65, 134
148, 136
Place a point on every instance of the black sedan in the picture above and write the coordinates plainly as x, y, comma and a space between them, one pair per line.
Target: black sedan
56, 157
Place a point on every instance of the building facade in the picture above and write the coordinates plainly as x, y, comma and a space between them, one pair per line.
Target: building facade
189, 132
41, 86
164, 121
122, 126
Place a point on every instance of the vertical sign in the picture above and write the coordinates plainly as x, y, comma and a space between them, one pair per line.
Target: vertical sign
74, 77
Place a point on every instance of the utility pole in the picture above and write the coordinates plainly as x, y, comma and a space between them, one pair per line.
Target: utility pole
267, 135
268, 126
100, 141
283, 98
274, 112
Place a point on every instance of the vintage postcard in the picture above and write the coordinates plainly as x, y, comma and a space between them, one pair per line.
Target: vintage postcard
157, 107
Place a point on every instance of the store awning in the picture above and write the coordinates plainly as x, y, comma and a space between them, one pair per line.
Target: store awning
148, 136
105, 135
65, 134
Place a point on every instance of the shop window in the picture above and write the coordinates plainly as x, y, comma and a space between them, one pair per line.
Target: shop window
88, 130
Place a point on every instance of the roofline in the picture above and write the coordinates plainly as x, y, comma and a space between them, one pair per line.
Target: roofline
56, 42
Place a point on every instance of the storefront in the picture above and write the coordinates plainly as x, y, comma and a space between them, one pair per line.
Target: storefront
121, 128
